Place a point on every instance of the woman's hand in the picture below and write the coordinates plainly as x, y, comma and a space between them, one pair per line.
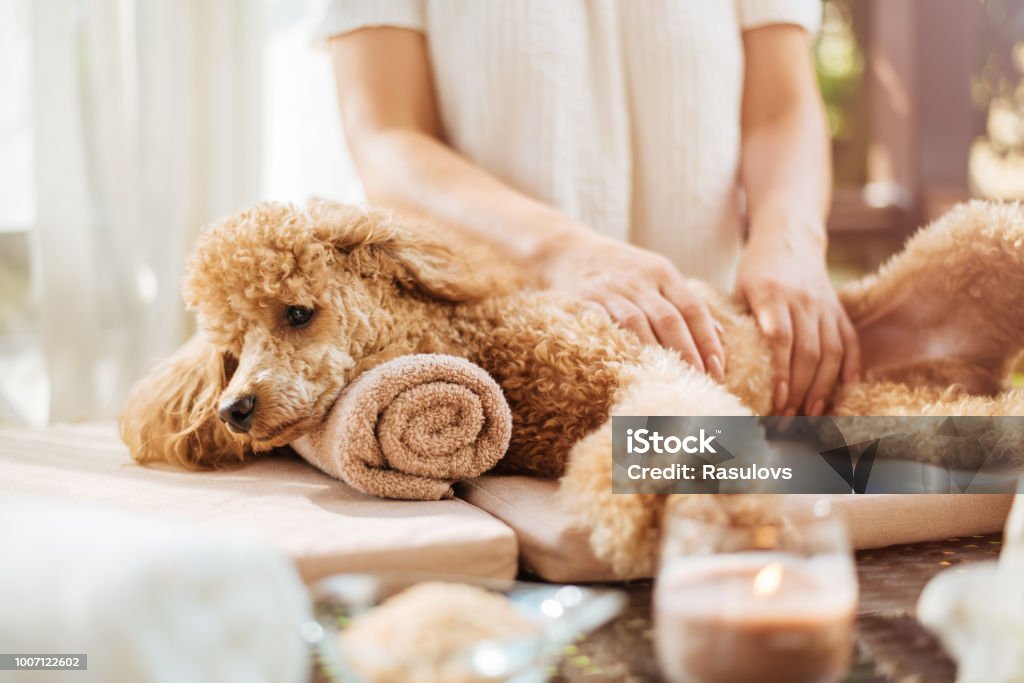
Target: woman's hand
782, 277
641, 290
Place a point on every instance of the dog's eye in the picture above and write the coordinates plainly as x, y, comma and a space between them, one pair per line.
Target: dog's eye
298, 316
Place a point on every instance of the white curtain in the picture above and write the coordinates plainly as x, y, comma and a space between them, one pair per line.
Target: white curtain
147, 125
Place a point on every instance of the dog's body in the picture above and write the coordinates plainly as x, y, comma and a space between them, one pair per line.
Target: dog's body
377, 290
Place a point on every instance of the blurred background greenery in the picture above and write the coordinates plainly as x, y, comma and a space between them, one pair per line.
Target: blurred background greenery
839, 60
996, 160
994, 155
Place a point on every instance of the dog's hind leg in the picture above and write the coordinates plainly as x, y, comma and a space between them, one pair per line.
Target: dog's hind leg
625, 527
902, 400
1003, 440
947, 309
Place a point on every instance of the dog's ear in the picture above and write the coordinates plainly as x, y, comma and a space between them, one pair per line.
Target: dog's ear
171, 415
418, 254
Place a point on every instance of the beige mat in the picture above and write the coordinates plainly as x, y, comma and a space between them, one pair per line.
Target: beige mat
322, 524
553, 547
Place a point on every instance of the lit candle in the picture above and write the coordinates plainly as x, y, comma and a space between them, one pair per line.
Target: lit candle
762, 616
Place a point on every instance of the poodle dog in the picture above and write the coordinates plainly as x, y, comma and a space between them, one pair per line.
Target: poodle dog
293, 304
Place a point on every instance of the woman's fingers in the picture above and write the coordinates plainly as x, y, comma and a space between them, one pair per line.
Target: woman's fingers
670, 328
827, 373
851, 349
810, 351
773, 318
629, 316
643, 292
701, 326
680, 321
806, 356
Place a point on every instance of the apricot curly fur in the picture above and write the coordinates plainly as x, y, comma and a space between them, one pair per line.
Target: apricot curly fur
383, 286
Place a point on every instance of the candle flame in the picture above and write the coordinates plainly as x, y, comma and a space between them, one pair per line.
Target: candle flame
768, 580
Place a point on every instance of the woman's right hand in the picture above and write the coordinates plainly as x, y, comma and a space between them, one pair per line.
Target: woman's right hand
641, 290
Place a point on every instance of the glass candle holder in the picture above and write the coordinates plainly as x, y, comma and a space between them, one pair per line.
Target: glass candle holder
772, 603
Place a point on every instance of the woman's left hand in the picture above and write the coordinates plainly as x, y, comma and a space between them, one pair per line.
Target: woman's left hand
783, 278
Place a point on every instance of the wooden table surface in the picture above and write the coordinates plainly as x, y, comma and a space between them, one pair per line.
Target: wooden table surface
890, 645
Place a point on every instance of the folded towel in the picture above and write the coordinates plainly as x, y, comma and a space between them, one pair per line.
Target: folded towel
412, 427
145, 599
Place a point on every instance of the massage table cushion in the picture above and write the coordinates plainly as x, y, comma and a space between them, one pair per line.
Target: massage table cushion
322, 524
554, 547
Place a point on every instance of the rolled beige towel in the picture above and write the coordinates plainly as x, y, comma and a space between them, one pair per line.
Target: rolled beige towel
412, 427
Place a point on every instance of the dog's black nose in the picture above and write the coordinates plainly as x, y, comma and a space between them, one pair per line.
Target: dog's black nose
237, 412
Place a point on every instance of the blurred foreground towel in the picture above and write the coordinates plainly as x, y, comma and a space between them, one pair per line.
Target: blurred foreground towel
146, 600
412, 427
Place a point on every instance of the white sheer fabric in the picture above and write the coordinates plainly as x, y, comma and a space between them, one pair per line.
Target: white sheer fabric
147, 126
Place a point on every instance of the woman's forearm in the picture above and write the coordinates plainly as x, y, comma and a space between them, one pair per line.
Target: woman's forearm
389, 112
410, 169
786, 165
787, 177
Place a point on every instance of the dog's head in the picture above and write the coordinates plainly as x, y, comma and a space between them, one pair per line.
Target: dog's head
288, 301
